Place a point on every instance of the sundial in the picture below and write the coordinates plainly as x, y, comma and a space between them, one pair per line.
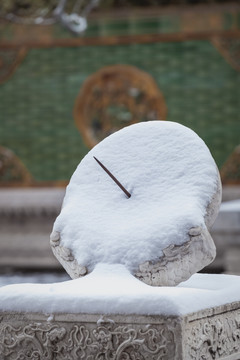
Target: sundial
145, 197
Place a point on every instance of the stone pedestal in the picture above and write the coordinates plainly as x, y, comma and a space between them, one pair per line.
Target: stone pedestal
213, 333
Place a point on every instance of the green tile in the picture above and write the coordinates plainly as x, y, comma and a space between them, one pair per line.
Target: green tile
200, 88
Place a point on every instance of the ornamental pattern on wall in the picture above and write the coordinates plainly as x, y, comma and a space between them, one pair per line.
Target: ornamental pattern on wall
215, 337
114, 97
9, 61
88, 341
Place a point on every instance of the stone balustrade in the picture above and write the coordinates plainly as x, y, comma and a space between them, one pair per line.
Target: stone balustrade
27, 215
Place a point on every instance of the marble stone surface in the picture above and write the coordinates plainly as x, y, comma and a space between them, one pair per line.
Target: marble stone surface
213, 333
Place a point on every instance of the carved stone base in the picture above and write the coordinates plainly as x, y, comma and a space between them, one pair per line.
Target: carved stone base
210, 334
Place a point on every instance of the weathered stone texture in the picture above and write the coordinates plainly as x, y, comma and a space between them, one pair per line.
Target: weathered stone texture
209, 334
88, 337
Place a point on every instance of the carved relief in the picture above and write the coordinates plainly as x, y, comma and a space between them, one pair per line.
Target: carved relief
12, 170
179, 262
104, 340
114, 97
214, 338
65, 257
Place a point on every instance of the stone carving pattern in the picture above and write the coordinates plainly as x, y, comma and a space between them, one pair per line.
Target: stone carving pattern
116, 96
66, 258
179, 262
214, 338
102, 341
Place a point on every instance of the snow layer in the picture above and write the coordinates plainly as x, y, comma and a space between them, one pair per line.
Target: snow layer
111, 289
171, 176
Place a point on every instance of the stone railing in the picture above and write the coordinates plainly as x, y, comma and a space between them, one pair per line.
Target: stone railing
27, 215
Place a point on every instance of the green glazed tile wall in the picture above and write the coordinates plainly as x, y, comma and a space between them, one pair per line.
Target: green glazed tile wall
201, 90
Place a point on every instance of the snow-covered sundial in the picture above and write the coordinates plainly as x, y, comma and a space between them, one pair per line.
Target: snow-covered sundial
145, 197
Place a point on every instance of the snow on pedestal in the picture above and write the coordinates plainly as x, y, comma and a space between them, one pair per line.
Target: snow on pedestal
108, 242
112, 289
109, 314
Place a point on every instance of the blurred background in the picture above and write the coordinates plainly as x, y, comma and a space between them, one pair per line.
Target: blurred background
73, 71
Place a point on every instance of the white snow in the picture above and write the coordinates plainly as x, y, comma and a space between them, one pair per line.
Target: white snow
111, 289
171, 176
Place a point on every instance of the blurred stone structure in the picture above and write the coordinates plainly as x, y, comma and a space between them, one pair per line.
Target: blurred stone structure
226, 233
27, 216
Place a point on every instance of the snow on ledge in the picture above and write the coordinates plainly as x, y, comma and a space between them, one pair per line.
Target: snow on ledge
111, 289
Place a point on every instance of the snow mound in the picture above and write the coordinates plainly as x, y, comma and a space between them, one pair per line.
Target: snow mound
111, 289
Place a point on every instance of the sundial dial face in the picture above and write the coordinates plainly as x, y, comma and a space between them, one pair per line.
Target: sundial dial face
144, 197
